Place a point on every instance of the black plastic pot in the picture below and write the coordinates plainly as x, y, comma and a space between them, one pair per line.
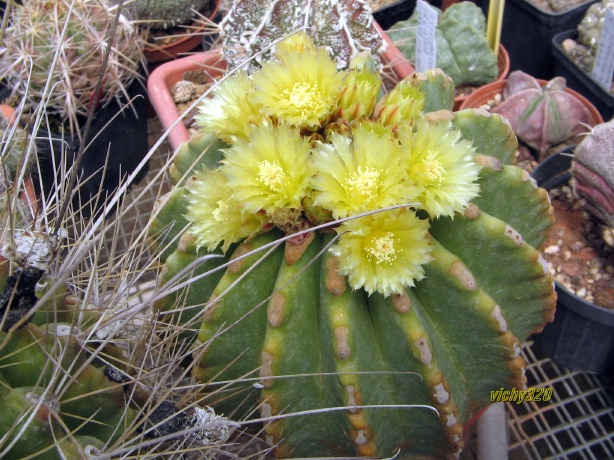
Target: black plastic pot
118, 143
578, 79
581, 337
527, 34
390, 14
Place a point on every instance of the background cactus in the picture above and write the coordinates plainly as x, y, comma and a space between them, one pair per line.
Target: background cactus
345, 27
284, 331
27, 64
593, 174
543, 117
463, 52
164, 14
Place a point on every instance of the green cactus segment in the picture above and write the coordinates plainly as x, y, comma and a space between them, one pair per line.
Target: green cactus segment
345, 27
531, 215
169, 223
463, 52
34, 359
203, 150
437, 87
173, 272
488, 132
292, 347
365, 376
235, 321
512, 275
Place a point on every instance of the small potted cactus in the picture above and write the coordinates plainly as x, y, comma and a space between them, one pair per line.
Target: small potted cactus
580, 251
463, 51
173, 27
545, 115
344, 262
51, 59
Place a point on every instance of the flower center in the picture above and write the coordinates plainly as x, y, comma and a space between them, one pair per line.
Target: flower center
363, 182
221, 211
432, 170
271, 174
304, 96
382, 249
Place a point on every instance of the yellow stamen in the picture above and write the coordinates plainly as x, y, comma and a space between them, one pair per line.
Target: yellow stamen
382, 249
363, 182
271, 174
304, 96
432, 170
222, 208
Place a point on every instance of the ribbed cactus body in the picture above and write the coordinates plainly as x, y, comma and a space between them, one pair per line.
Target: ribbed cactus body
286, 332
344, 27
463, 52
593, 172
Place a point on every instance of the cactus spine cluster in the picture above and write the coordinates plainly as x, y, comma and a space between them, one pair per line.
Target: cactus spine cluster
81, 30
373, 321
463, 52
344, 27
593, 173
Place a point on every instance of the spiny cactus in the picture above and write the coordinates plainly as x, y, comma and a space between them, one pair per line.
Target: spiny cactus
593, 174
463, 52
164, 14
66, 87
543, 117
344, 27
305, 304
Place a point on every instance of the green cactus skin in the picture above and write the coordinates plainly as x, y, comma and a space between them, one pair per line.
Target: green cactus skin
345, 27
282, 314
168, 13
34, 32
463, 52
92, 405
543, 116
593, 172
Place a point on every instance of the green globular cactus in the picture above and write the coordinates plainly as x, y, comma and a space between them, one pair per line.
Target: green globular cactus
543, 116
593, 173
344, 27
35, 33
393, 327
165, 14
463, 52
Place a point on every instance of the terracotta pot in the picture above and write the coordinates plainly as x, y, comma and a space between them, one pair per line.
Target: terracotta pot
194, 34
162, 79
487, 92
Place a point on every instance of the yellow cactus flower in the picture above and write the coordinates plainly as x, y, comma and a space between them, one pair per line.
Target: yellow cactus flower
215, 216
404, 102
383, 252
300, 89
360, 174
299, 42
270, 169
443, 164
229, 112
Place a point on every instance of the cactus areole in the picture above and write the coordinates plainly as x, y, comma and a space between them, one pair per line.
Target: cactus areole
379, 267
